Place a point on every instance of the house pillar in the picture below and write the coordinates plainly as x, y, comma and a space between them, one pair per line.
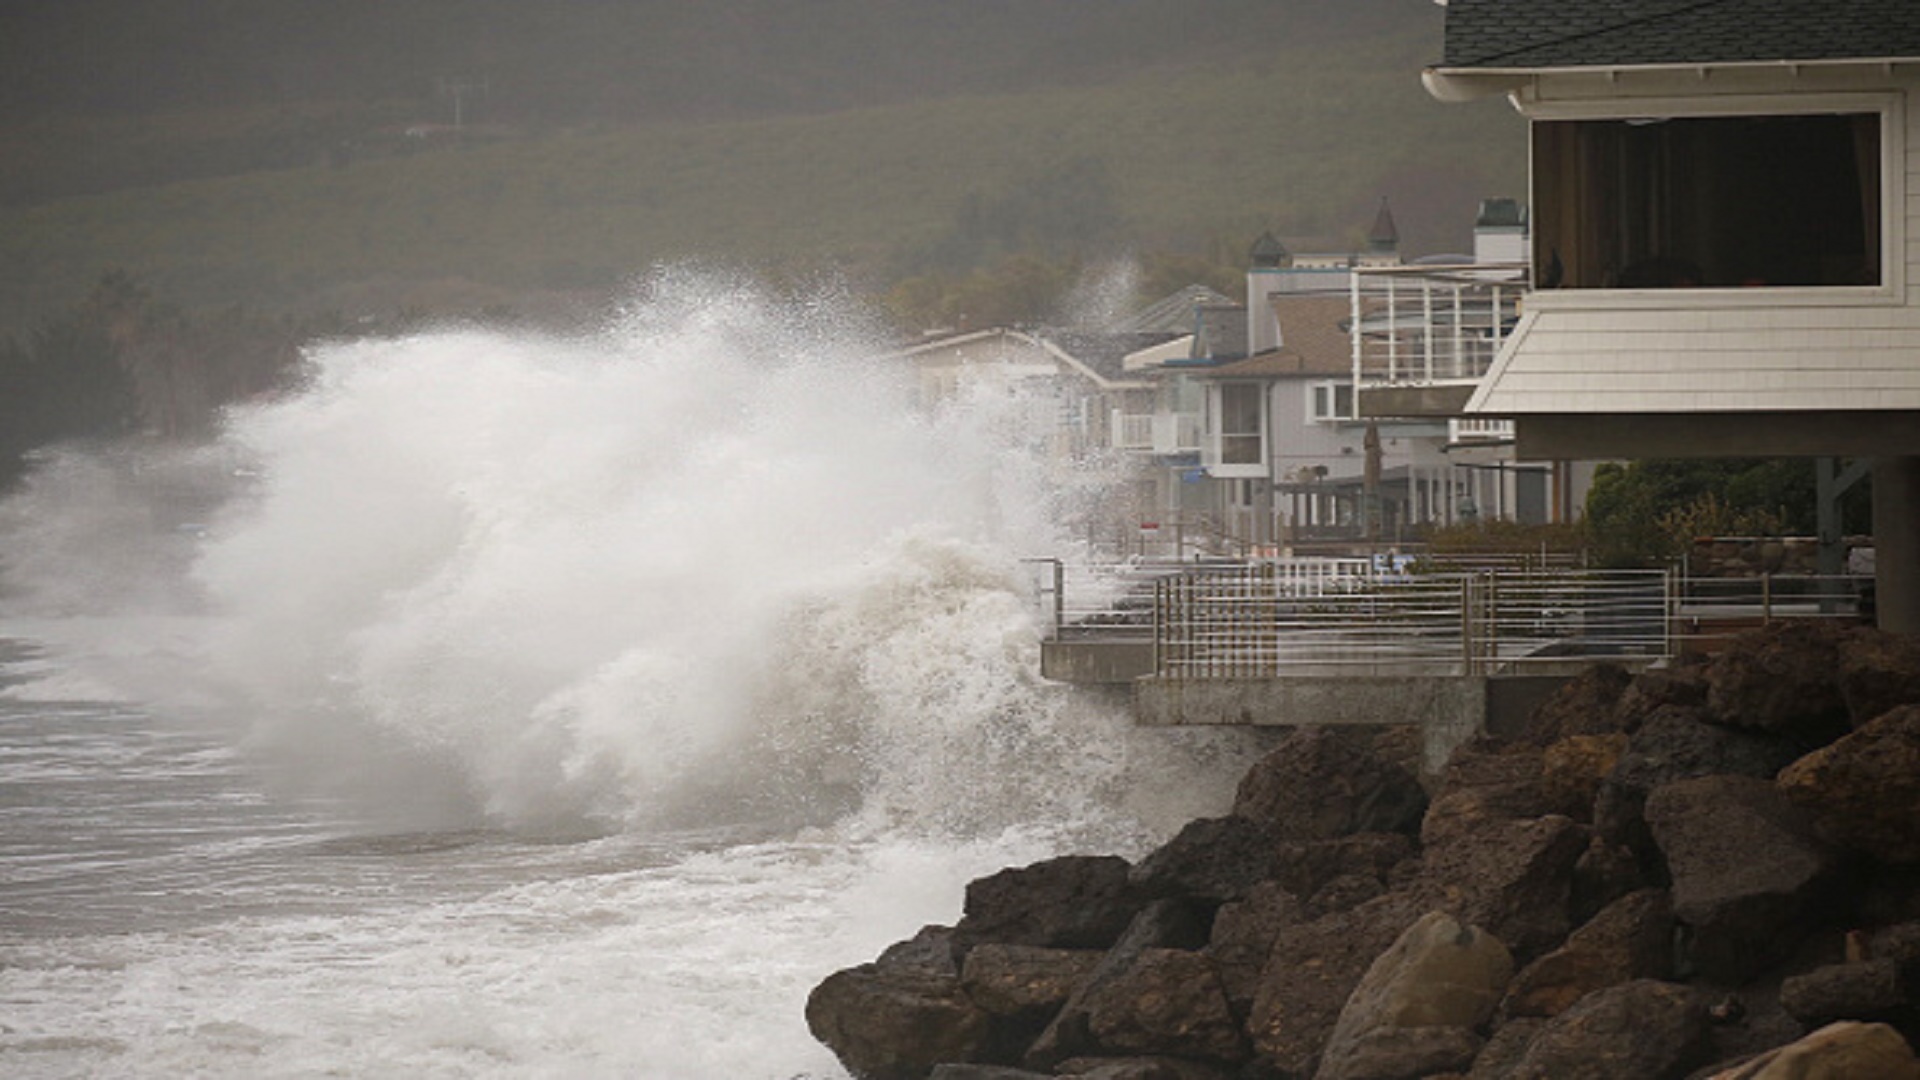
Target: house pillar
1896, 543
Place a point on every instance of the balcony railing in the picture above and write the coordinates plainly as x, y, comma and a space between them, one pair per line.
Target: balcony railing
1479, 431
1432, 325
1156, 433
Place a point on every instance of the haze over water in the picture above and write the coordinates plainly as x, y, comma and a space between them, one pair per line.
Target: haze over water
515, 705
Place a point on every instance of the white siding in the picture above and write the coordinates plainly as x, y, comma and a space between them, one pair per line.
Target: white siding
1734, 351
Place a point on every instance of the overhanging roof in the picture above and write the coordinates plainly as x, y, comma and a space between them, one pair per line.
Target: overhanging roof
1497, 46
1546, 34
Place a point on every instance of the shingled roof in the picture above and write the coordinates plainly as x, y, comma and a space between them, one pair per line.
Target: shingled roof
1510, 34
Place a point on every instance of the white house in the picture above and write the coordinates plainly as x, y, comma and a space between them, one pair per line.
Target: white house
1726, 236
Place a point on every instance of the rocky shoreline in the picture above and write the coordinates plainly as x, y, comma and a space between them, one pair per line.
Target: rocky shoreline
1708, 870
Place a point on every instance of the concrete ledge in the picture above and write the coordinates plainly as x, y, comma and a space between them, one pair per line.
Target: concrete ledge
1095, 661
1450, 709
1447, 400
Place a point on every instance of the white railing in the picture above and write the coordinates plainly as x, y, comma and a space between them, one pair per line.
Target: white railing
1156, 433
1132, 431
1471, 431
1429, 325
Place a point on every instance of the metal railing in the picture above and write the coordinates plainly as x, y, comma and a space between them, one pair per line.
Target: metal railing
1427, 325
1245, 624
1270, 618
1710, 611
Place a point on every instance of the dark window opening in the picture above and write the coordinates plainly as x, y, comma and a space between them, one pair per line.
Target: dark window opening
1720, 202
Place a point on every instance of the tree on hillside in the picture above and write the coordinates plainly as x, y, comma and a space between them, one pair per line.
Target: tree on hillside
122, 362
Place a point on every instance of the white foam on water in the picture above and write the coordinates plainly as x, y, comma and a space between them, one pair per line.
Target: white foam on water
711, 566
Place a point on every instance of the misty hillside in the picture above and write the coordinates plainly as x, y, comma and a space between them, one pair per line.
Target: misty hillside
281, 152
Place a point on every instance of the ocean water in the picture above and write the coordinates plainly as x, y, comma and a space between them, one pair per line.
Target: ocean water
504, 704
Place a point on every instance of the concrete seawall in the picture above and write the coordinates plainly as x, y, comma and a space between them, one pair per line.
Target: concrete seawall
1450, 709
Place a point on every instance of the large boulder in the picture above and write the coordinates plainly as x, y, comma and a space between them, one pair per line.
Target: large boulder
1747, 870
1490, 779
1645, 1029
1168, 1002
1842, 1051
1682, 682
1243, 935
1416, 1009
1330, 874
1676, 743
1861, 990
1312, 970
1070, 902
1143, 1067
896, 1018
1318, 784
1512, 876
1161, 925
1782, 679
1022, 988
1864, 790
1584, 705
1572, 769
1878, 672
1631, 938
1210, 859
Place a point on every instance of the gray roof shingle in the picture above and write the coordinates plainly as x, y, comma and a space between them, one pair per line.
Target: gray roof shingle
1607, 33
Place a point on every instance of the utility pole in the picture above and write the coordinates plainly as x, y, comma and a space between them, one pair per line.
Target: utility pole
458, 88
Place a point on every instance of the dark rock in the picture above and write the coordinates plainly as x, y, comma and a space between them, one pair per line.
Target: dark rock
1312, 969
1319, 784
1683, 682
1504, 1050
1071, 902
1867, 990
1162, 924
1513, 877
968, 1071
1243, 934
1746, 867
1021, 980
1605, 872
1878, 672
1864, 790
1631, 938
1899, 942
1782, 679
1216, 859
895, 1022
931, 950
1168, 1001
1307, 867
1676, 743
1486, 779
1415, 1009
1140, 1068
1645, 1029
1572, 769
1583, 705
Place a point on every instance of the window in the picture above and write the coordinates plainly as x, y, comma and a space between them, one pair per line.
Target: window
1240, 427
1332, 402
1708, 201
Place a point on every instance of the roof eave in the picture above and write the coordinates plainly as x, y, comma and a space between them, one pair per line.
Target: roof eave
1460, 84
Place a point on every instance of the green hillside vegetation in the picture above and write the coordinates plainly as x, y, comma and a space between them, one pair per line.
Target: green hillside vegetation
1195, 161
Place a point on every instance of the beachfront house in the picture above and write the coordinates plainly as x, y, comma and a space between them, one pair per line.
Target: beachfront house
1725, 236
